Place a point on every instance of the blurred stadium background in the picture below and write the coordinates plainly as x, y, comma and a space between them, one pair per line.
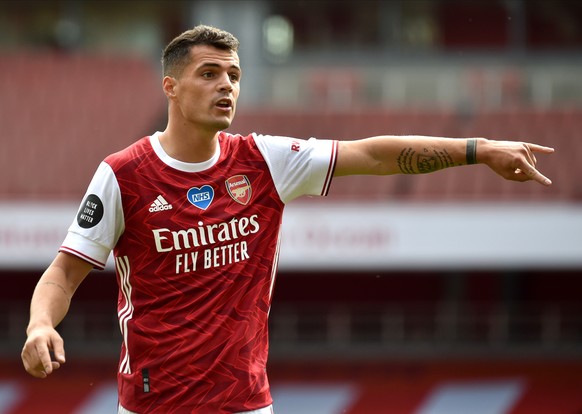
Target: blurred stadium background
455, 292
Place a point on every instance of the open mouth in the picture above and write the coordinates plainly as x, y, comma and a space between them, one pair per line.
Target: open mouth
224, 103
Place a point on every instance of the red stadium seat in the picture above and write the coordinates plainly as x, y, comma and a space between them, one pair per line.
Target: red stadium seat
61, 114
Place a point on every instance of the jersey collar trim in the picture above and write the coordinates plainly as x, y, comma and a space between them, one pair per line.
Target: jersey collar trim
180, 165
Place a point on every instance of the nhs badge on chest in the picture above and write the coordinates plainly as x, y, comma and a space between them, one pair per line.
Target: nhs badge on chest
201, 197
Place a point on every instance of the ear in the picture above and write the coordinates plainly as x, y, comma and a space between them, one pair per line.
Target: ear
168, 85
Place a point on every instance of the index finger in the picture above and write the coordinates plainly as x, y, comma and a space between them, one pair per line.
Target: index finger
537, 176
44, 357
540, 148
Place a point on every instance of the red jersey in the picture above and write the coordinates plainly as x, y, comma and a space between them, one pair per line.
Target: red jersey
195, 249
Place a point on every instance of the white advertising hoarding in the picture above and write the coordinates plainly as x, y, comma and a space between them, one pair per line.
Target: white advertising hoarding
432, 236
340, 236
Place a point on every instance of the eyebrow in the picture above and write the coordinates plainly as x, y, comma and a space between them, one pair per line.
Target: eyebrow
216, 65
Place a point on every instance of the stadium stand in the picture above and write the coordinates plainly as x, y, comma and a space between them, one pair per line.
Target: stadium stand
62, 126
62, 113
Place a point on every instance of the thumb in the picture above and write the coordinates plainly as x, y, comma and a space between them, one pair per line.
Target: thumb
58, 349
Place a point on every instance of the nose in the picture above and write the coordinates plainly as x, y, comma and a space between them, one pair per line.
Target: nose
225, 83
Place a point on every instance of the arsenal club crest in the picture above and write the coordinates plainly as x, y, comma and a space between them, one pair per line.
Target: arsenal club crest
239, 188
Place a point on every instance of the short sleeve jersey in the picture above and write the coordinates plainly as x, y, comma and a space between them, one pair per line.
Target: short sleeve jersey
195, 250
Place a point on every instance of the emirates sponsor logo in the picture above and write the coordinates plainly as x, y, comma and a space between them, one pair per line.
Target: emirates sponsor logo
208, 245
167, 240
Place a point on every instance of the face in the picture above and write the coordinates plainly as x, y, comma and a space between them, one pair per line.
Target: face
206, 92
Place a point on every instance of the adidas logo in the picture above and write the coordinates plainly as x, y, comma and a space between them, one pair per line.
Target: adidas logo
160, 204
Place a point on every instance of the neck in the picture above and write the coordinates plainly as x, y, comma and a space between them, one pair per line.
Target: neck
188, 145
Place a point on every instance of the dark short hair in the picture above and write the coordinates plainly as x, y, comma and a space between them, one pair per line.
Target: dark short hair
176, 54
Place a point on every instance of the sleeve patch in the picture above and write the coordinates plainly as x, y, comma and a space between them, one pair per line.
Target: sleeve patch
91, 212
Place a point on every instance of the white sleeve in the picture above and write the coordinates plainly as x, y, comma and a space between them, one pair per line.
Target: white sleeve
298, 167
99, 222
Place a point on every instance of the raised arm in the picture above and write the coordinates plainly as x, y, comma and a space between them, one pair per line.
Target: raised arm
49, 305
384, 155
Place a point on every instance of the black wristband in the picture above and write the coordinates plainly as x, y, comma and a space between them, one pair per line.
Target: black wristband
471, 151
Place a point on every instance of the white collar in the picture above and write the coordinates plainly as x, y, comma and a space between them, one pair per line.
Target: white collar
181, 165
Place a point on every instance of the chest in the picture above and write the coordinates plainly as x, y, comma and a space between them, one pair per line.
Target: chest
232, 199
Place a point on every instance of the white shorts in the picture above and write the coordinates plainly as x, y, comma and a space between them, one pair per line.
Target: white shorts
266, 410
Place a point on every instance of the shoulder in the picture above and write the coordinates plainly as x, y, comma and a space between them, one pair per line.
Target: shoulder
272, 145
134, 152
230, 143
235, 139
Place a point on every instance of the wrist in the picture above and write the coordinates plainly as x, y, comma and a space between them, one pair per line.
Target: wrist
36, 327
39, 324
471, 151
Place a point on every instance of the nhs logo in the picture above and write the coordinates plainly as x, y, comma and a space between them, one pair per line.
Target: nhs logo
201, 197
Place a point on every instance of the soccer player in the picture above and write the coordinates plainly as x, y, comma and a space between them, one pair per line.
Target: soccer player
193, 216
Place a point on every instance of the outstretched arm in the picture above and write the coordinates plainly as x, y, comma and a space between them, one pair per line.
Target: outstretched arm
49, 305
384, 155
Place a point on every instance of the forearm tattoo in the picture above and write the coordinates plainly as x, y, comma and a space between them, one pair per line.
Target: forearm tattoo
58, 286
431, 159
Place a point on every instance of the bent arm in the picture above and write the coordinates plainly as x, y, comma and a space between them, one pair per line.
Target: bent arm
49, 305
383, 155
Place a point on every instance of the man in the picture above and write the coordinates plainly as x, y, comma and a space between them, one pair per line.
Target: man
193, 215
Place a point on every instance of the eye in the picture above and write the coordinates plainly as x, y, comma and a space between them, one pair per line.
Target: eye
234, 77
207, 75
